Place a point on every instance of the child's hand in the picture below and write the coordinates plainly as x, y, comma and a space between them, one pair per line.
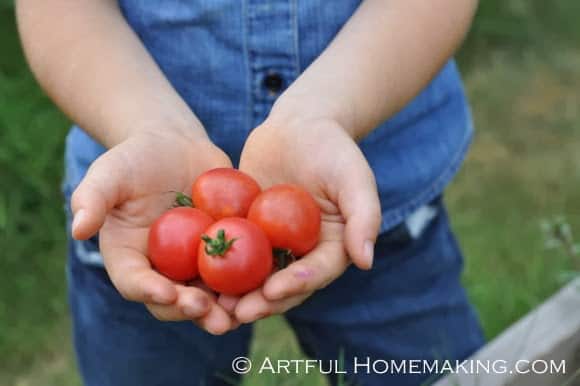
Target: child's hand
124, 191
319, 155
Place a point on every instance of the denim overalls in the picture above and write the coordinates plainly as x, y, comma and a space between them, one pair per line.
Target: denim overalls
229, 60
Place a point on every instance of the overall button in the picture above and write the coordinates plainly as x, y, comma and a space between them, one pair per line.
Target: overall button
273, 82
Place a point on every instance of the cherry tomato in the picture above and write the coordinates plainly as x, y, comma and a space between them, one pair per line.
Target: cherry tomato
289, 216
235, 256
174, 239
224, 192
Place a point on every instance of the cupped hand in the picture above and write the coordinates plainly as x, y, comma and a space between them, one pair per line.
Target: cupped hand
123, 192
319, 155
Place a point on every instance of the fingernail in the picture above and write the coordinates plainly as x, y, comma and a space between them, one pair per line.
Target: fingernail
368, 250
78, 218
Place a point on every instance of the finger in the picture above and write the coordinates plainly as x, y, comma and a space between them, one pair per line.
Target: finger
217, 321
192, 303
170, 313
99, 191
208, 315
359, 204
312, 272
165, 313
134, 278
228, 302
255, 306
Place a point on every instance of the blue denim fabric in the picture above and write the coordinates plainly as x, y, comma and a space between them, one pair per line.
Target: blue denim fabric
410, 306
220, 54
221, 57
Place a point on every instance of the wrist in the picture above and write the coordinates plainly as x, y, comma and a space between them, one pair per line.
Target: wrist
296, 109
292, 128
173, 149
189, 129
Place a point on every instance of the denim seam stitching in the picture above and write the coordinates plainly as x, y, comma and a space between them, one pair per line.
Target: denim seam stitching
249, 86
294, 11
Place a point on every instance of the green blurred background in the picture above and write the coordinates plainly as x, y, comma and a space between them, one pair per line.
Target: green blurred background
521, 65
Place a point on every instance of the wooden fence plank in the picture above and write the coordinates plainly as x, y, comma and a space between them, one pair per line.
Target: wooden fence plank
550, 332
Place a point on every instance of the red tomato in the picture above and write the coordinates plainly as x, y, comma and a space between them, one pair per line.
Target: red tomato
224, 192
174, 240
235, 256
289, 216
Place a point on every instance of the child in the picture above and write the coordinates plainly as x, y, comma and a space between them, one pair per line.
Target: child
356, 101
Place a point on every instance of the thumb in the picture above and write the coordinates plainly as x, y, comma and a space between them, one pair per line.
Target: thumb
359, 204
99, 191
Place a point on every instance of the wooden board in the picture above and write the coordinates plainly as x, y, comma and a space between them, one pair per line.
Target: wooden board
549, 332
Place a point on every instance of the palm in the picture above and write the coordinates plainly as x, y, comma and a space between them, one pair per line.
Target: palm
320, 157
135, 184
152, 172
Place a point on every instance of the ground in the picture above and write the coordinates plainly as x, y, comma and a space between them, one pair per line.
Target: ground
524, 167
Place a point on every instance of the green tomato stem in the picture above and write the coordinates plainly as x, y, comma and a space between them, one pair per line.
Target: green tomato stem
218, 246
182, 199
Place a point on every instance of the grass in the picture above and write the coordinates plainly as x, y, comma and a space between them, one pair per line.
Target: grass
32, 250
522, 74
522, 169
